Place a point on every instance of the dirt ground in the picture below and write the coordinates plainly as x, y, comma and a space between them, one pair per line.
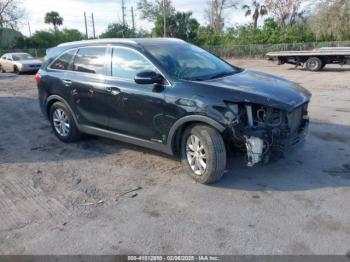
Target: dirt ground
58, 198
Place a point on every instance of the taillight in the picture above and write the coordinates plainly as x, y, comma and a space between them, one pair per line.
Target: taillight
37, 79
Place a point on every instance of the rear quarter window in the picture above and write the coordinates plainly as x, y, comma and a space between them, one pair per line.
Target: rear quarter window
64, 61
91, 60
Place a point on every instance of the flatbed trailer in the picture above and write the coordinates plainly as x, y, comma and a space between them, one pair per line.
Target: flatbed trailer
314, 60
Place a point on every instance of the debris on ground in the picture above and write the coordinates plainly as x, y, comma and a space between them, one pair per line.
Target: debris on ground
128, 192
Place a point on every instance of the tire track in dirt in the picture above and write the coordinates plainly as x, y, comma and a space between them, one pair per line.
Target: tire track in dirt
21, 204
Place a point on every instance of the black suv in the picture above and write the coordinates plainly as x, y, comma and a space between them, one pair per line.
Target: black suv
173, 97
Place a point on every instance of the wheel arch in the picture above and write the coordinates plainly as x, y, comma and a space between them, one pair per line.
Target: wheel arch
56, 98
176, 131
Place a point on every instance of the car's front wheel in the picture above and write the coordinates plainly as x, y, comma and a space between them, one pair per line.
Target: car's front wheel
2, 69
16, 70
203, 153
63, 123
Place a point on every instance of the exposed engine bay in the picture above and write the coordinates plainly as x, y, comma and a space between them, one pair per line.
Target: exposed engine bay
265, 132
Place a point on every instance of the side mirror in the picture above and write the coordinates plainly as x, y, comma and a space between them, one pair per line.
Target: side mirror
148, 77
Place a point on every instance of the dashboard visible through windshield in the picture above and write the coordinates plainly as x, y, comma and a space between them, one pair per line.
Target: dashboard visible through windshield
188, 62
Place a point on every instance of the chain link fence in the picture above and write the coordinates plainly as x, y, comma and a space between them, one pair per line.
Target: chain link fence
248, 51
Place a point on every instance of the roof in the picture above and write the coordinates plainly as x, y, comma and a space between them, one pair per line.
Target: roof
16, 53
134, 41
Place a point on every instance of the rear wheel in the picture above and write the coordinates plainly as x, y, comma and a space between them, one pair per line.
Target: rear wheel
2, 69
314, 64
203, 153
63, 124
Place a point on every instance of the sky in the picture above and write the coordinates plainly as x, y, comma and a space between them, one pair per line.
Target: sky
106, 12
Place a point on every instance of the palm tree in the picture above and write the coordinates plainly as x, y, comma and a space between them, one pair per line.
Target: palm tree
257, 9
54, 18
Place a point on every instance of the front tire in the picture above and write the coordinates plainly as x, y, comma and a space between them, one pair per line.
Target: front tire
2, 69
63, 124
203, 154
15, 70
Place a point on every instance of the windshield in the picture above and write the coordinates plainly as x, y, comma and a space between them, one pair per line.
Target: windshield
188, 62
21, 57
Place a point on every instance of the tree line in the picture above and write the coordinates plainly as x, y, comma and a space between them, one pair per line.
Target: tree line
272, 22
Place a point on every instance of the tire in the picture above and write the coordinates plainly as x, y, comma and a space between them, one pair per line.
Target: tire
63, 132
213, 148
15, 70
1, 69
314, 64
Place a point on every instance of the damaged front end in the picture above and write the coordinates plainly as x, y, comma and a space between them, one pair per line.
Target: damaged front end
266, 132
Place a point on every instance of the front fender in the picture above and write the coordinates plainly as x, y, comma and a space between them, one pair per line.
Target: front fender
191, 119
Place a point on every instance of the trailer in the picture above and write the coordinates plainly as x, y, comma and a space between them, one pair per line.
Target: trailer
314, 60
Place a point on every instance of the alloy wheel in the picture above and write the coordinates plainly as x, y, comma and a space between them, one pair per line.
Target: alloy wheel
61, 122
196, 155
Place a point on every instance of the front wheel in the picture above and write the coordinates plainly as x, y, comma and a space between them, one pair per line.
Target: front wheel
16, 70
203, 153
2, 69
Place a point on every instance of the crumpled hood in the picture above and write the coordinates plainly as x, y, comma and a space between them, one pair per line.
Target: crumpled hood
261, 88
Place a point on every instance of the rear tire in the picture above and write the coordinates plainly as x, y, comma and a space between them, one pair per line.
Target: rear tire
314, 64
2, 70
203, 153
63, 123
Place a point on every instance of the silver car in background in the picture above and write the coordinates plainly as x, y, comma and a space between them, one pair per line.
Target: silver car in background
19, 63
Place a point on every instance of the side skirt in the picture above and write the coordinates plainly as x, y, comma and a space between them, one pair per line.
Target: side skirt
126, 138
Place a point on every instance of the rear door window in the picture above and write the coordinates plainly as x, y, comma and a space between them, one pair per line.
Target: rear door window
64, 62
91, 60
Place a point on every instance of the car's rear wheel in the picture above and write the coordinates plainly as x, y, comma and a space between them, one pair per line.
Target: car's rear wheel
2, 69
314, 64
203, 153
63, 124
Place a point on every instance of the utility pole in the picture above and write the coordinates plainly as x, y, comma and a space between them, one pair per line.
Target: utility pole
30, 31
133, 18
123, 12
93, 24
164, 17
86, 31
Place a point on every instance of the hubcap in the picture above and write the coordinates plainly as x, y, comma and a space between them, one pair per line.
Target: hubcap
313, 64
196, 155
60, 122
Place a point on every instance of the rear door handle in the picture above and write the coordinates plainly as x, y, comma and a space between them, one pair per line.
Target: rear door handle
113, 90
67, 82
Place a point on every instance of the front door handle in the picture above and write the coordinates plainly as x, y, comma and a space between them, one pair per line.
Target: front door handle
113, 90
67, 83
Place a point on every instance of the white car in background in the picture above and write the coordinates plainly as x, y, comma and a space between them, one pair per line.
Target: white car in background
19, 63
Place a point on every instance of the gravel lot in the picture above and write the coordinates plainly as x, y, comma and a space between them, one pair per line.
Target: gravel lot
60, 198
